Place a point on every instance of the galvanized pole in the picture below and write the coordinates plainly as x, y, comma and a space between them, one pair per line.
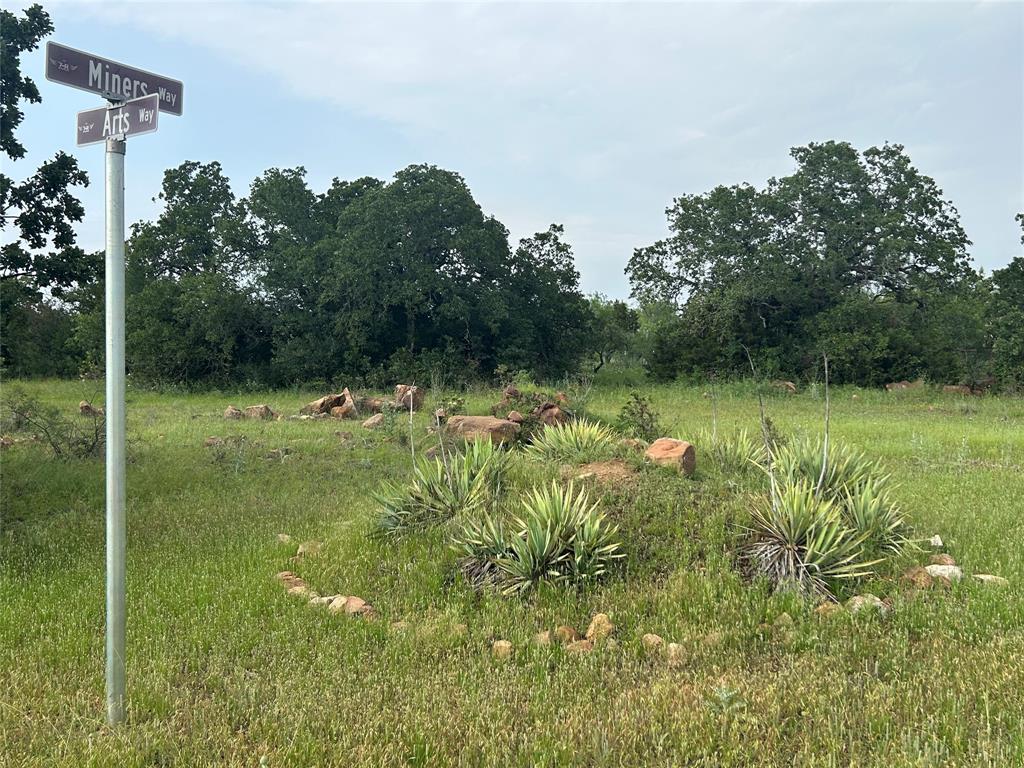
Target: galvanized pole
115, 416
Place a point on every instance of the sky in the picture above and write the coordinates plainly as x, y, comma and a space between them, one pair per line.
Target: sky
592, 115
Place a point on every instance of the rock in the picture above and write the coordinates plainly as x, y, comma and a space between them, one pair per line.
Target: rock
321, 600
549, 414
652, 642
786, 386
498, 431
566, 634
406, 394
337, 605
300, 590
866, 601
356, 606
374, 422
957, 389
917, 578
85, 408
232, 413
941, 559
935, 541
213, 441
633, 444
828, 609
284, 538
669, 452
580, 646
308, 549
260, 412
600, 628
990, 580
855, 397
370, 404
323, 405
896, 386
542, 638
501, 649
345, 411
515, 417
951, 572
289, 579
675, 653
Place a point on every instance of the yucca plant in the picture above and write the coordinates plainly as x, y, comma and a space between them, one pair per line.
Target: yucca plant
800, 541
560, 538
737, 451
870, 511
462, 483
846, 469
577, 441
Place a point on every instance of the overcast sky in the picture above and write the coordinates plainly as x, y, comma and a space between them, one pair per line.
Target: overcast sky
591, 115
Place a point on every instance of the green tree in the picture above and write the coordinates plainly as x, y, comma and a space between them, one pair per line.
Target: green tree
614, 328
43, 263
850, 242
1006, 320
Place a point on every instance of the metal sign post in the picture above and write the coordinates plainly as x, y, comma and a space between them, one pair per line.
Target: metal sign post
136, 96
115, 406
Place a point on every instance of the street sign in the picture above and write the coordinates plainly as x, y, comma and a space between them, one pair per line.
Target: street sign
110, 79
122, 120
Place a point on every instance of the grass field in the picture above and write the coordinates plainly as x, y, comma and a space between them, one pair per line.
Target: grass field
225, 668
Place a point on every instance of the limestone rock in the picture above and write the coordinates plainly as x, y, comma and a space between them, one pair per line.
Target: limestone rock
498, 431
673, 453
374, 422
828, 609
786, 386
550, 414
600, 628
991, 580
232, 413
957, 389
406, 394
260, 412
917, 577
652, 642
566, 634
675, 652
85, 408
866, 601
935, 541
580, 646
501, 649
633, 444
515, 417
950, 572
941, 559
323, 405
542, 638
344, 411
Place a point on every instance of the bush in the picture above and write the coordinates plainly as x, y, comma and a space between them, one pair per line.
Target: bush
67, 438
561, 538
577, 442
442, 489
736, 452
638, 419
801, 542
847, 470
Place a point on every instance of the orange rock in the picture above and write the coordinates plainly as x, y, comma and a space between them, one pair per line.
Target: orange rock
673, 453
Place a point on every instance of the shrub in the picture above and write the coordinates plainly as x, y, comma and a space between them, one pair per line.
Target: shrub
66, 438
638, 419
560, 538
577, 441
442, 489
801, 542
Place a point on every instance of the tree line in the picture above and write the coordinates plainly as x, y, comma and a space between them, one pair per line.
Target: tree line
855, 254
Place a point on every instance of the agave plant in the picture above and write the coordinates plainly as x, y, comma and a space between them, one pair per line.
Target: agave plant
800, 541
870, 511
577, 441
464, 483
478, 543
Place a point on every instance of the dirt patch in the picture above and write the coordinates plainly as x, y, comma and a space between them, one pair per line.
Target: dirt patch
614, 471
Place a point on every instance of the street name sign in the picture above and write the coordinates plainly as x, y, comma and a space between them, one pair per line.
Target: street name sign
130, 118
110, 79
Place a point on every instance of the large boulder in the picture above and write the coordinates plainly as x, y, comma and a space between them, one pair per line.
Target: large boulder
344, 411
670, 452
498, 431
406, 394
370, 404
374, 422
88, 409
957, 389
232, 413
323, 405
786, 386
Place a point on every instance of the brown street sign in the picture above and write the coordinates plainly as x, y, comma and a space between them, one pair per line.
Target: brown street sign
110, 79
128, 119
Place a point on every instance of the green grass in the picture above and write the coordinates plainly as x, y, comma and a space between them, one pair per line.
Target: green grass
224, 668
